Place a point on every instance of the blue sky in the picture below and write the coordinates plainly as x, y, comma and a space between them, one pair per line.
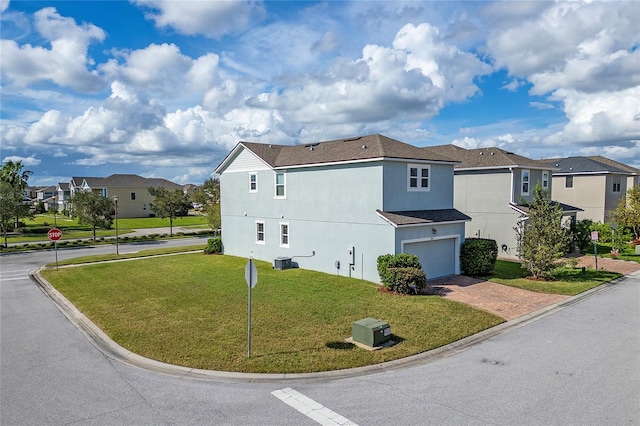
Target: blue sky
167, 88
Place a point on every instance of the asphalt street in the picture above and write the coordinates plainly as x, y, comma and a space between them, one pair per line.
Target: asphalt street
579, 365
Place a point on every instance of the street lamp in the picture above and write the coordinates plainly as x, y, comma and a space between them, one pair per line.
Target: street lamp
115, 200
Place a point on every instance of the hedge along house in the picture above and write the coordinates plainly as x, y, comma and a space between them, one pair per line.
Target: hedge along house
494, 187
336, 206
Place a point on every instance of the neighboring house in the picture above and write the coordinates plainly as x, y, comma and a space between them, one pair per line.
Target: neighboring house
336, 206
494, 186
47, 196
64, 193
595, 184
132, 191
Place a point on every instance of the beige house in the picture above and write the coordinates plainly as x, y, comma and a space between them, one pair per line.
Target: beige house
132, 191
493, 187
595, 184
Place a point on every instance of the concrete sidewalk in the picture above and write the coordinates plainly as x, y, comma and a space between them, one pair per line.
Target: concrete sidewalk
509, 302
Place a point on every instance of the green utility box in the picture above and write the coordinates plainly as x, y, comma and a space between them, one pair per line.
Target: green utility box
370, 332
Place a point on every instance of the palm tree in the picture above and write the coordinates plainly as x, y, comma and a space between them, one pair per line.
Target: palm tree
12, 174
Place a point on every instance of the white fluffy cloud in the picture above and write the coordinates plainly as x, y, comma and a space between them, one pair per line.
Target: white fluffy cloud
66, 63
211, 18
566, 52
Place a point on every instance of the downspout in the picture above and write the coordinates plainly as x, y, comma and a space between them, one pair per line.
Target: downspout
511, 200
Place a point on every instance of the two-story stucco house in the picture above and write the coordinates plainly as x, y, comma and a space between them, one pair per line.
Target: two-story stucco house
595, 184
493, 187
336, 206
132, 191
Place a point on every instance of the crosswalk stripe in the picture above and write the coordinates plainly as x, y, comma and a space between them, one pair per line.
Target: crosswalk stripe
311, 408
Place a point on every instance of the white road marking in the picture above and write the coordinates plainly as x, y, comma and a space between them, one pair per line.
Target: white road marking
311, 408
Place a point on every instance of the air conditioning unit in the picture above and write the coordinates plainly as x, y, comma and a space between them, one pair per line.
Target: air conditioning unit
282, 263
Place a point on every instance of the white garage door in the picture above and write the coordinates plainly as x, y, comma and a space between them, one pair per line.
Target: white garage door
437, 257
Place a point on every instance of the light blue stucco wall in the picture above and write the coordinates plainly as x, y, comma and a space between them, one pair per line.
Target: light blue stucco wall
397, 198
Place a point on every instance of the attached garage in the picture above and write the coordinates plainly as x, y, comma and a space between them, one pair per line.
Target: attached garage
435, 255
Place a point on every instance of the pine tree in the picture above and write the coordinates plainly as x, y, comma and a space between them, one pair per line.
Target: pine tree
543, 240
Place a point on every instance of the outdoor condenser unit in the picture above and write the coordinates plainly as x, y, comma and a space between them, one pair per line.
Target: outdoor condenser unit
282, 263
370, 332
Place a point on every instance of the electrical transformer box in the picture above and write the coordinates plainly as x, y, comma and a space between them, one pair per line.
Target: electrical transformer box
370, 332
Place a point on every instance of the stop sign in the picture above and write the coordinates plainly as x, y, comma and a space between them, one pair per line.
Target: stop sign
54, 234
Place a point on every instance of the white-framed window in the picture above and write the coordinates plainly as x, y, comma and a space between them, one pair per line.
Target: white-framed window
616, 183
525, 182
418, 177
280, 182
568, 182
545, 179
284, 234
260, 232
133, 196
253, 182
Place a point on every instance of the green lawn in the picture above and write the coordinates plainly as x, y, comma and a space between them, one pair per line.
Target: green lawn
191, 310
36, 229
569, 281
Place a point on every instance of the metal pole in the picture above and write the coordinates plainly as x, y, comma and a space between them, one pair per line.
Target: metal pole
115, 200
249, 308
55, 245
595, 250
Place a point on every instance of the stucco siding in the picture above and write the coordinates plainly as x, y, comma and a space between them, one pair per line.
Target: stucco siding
587, 193
398, 198
128, 207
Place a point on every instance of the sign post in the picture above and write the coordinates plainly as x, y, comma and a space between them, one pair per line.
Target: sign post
251, 276
594, 238
54, 235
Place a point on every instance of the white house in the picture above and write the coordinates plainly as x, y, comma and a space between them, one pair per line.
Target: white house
336, 206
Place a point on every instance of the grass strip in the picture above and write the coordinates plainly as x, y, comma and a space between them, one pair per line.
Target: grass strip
142, 253
567, 281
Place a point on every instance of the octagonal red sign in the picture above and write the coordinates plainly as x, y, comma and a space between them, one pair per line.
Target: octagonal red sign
54, 234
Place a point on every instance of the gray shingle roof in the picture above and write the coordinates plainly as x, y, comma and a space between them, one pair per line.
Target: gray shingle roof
341, 150
610, 162
417, 217
485, 157
566, 208
578, 165
125, 181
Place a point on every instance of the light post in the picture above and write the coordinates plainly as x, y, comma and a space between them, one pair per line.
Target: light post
115, 200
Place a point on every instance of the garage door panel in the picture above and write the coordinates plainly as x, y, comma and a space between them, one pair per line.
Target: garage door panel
437, 257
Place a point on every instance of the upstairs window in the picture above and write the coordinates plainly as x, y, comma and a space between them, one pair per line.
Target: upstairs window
616, 184
280, 185
259, 232
545, 179
253, 182
418, 177
133, 196
568, 182
525, 182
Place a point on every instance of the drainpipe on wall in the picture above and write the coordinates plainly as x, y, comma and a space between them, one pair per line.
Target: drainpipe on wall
511, 200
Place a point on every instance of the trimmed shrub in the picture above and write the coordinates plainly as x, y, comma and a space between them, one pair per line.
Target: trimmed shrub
407, 280
478, 256
214, 246
402, 273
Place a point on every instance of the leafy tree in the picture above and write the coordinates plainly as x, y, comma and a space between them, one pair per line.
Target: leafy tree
92, 209
627, 213
7, 209
169, 204
581, 232
543, 241
16, 178
208, 195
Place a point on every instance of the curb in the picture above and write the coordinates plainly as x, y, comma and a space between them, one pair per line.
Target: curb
112, 350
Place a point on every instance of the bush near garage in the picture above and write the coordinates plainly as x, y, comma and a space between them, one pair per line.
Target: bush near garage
402, 273
478, 256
